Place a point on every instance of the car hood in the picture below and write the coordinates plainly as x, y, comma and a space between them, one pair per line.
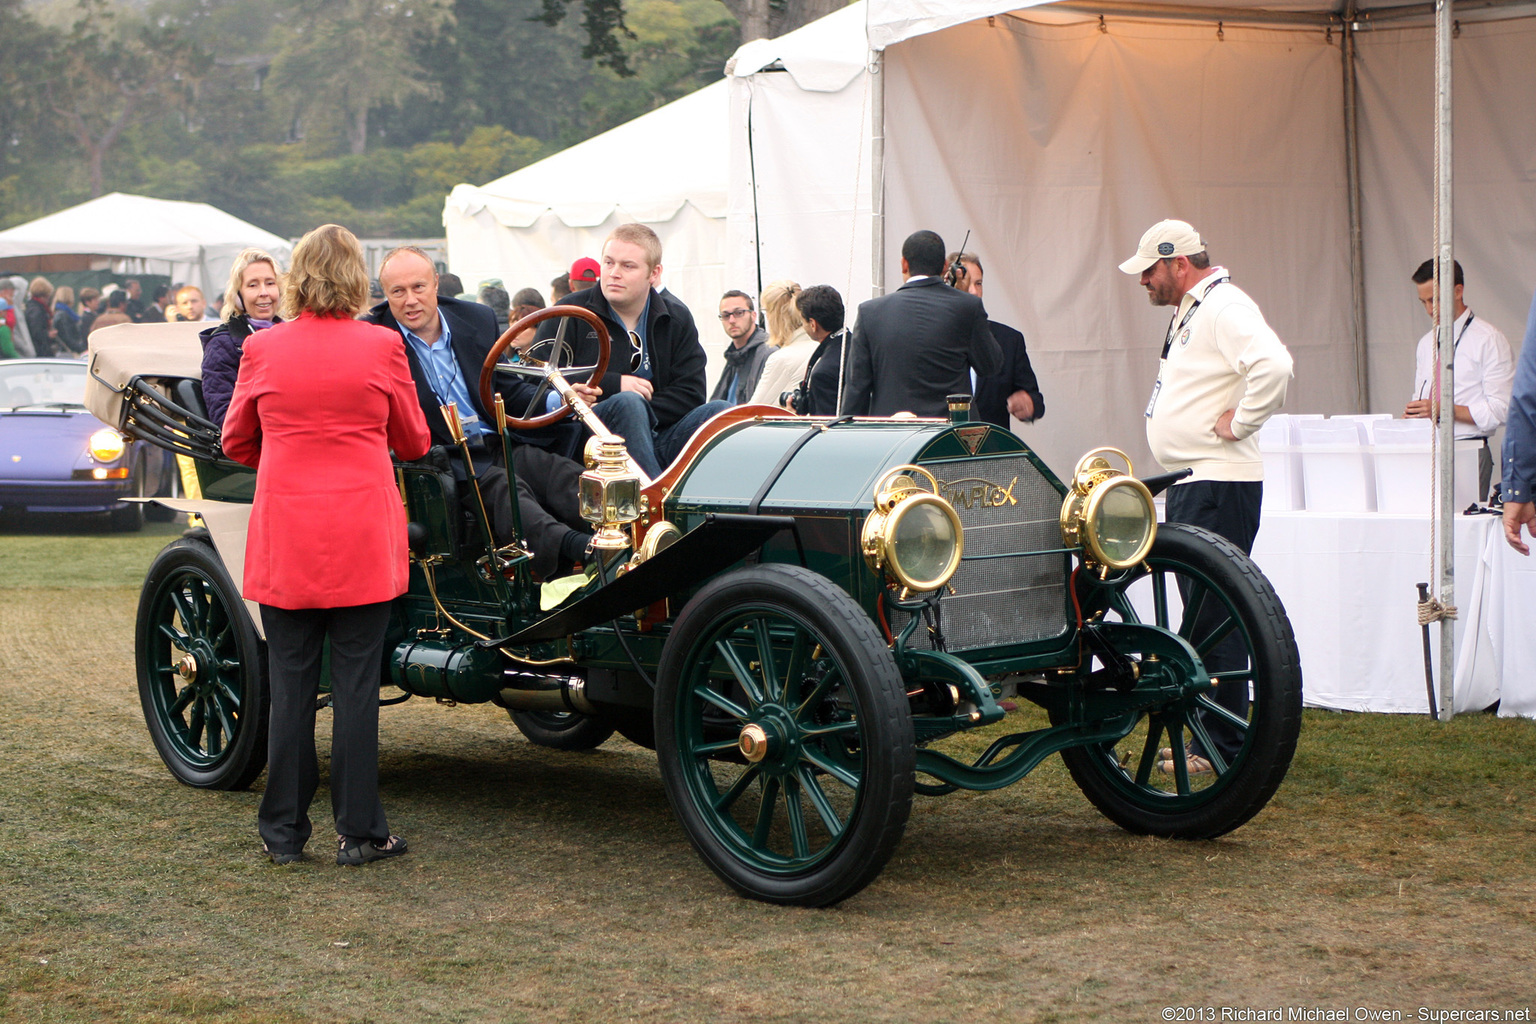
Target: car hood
38, 443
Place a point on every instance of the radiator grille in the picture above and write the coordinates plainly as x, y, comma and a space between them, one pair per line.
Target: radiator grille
1005, 505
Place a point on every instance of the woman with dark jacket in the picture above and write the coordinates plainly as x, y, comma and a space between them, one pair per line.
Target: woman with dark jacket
250, 304
66, 322
321, 400
40, 316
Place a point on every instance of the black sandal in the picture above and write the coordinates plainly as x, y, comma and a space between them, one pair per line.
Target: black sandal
351, 852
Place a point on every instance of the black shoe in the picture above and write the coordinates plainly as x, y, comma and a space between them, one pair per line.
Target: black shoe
283, 858
355, 853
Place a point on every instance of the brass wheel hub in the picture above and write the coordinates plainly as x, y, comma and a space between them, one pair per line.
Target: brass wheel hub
187, 668
753, 742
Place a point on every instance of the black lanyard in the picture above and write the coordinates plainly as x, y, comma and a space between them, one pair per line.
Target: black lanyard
1455, 347
1172, 330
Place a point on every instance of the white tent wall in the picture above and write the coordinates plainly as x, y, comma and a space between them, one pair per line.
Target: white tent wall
1494, 178
527, 256
1057, 145
188, 242
533, 223
811, 153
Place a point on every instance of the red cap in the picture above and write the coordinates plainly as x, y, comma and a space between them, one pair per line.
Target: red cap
584, 269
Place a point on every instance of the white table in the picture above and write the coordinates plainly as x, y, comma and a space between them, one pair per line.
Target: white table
1347, 581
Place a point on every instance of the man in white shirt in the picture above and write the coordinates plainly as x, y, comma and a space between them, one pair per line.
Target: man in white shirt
1223, 372
1482, 372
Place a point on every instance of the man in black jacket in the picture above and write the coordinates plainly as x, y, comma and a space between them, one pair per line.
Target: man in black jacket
655, 376
446, 343
1015, 391
913, 348
747, 353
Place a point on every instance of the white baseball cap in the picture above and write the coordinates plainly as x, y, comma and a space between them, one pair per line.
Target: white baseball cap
1164, 239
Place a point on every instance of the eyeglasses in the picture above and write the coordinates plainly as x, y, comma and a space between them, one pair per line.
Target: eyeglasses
732, 314
636, 353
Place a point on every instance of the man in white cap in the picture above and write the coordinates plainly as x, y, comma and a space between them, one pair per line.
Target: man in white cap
1223, 372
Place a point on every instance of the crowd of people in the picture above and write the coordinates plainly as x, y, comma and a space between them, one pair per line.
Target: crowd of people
40, 321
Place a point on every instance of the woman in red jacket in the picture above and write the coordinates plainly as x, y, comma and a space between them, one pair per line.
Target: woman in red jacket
320, 402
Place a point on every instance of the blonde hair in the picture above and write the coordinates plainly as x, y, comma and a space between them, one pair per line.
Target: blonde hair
231, 304
64, 294
638, 234
784, 318
328, 276
40, 286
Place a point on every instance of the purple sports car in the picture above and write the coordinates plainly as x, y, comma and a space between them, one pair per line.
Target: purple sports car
56, 457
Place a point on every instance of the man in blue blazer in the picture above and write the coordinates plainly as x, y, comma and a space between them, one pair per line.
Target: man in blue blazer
446, 342
915, 347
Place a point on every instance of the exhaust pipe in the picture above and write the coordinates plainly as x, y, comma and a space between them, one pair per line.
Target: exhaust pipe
530, 691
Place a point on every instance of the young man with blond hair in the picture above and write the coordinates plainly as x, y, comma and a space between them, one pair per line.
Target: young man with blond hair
656, 370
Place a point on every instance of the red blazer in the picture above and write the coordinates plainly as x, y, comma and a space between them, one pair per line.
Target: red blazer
318, 406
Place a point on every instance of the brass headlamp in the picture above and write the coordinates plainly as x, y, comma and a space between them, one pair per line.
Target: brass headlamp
1108, 513
912, 534
610, 492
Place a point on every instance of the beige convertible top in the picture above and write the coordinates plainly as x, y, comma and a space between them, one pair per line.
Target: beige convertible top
124, 351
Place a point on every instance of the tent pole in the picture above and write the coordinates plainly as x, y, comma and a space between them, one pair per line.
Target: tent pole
1356, 230
877, 172
1445, 304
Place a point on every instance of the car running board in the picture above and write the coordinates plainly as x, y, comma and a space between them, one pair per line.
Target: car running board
723, 538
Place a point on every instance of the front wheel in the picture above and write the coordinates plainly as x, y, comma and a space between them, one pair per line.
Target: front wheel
784, 736
1246, 728
202, 670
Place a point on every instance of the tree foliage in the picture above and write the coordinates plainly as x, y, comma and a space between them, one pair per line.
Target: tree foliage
294, 112
112, 72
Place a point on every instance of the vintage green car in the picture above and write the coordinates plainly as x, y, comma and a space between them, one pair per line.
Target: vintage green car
791, 615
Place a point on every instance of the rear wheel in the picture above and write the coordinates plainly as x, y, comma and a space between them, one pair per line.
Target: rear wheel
561, 730
1203, 587
784, 736
202, 670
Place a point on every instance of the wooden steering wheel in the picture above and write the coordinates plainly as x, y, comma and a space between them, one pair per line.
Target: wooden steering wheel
546, 372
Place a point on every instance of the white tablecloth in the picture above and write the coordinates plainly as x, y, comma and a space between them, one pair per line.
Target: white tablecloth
1348, 583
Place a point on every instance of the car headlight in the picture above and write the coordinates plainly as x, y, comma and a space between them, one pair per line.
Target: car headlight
1109, 513
107, 445
912, 534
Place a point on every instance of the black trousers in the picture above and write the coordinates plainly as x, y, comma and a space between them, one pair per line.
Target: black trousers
295, 640
1231, 509
548, 503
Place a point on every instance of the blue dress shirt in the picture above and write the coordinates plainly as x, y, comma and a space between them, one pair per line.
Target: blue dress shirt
446, 377
1520, 430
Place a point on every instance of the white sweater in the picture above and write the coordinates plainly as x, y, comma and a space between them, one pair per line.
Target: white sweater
784, 368
1223, 357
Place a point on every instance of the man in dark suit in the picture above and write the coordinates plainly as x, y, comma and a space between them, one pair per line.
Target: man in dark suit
655, 378
1015, 391
915, 347
446, 343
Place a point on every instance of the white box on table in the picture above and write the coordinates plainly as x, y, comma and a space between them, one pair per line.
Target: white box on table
1404, 468
1284, 490
1336, 465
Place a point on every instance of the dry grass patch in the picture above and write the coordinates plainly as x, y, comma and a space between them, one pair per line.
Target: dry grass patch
1394, 869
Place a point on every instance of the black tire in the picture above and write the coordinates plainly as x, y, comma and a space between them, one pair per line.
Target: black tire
1122, 779
130, 517
211, 728
840, 748
561, 730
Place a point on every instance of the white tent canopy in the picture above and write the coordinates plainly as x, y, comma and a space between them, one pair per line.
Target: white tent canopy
191, 242
1056, 138
666, 169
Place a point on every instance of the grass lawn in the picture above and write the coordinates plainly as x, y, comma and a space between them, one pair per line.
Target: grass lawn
1394, 870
